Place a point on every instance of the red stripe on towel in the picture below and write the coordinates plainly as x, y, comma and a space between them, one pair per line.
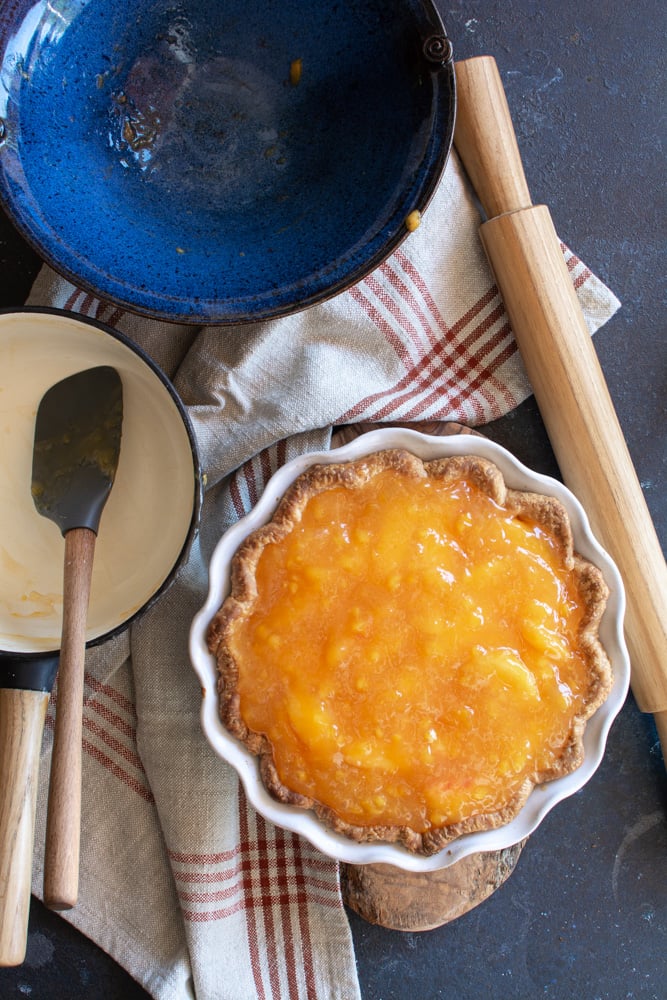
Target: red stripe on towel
112, 693
304, 928
254, 944
117, 771
464, 363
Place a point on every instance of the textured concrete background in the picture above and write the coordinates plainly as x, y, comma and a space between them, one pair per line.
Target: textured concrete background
584, 916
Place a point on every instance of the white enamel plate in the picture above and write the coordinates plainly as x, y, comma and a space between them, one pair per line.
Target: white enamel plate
152, 511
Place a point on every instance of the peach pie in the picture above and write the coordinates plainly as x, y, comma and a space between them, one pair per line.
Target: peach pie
409, 647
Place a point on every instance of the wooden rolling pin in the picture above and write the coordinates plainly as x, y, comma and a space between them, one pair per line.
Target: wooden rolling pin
525, 255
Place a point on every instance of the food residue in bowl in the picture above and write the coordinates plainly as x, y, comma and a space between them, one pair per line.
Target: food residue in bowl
413, 221
295, 71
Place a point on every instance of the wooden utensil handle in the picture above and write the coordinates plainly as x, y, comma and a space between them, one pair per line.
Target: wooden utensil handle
63, 824
485, 138
22, 715
583, 428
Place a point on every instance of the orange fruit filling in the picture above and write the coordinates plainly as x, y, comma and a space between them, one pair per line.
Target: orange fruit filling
411, 654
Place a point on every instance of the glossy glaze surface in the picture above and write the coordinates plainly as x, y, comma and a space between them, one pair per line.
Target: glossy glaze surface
413, 652
219, 162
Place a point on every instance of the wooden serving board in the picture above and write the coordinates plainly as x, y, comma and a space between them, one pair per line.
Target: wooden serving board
421, 901
416, 901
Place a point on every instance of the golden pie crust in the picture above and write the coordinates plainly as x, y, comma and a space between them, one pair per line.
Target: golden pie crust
544, 511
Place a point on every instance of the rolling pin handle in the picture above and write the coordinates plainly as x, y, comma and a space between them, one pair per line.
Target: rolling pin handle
485, 139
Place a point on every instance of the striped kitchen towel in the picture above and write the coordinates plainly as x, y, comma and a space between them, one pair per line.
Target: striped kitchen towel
181, 881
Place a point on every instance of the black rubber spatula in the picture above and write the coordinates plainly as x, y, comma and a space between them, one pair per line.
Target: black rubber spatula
76, 449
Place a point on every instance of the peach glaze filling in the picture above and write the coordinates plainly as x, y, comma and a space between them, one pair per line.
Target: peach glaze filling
412, 653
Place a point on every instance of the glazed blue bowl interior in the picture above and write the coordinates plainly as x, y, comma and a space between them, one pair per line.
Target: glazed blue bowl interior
218, 160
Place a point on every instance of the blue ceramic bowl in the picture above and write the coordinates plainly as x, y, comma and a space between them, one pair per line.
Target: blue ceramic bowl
220, 161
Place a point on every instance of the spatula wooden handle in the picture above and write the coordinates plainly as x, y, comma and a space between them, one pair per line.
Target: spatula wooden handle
63, 823
526, 258
22, 715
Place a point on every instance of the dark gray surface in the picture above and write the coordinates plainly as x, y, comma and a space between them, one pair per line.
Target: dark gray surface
584, 915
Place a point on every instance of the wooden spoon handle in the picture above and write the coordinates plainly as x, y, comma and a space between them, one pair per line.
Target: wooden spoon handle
22, 715
526, 258
63, 823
